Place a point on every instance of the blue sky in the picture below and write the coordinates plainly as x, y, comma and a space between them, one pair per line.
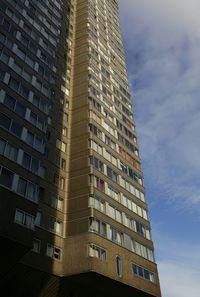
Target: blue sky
162, 41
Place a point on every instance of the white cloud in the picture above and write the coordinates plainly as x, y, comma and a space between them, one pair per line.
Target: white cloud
179, 279
163, 41
179, 271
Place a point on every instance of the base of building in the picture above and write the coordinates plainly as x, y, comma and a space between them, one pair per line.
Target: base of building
24, 281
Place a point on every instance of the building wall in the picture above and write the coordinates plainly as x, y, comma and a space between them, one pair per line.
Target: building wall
86, 215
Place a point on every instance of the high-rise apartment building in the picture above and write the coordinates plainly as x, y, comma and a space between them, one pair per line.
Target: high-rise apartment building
73, 216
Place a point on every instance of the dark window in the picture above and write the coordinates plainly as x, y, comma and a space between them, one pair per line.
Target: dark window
24, 40
11, 152
140, 229
6, 178
5, 121
36, 100
111, 174
20, 109
21, 53
21, 188
27, 29
34, 165
146, 274
30, 138
12, 30
2, 73
41, 70
63, 163
24, 91
118, 266
5, 57
2, 38
43, 56
140, 271
32, 48
14, 84
30, 61
26, 162
33, 118
2, 146
6, 25
9, 102
16, 129
134, 269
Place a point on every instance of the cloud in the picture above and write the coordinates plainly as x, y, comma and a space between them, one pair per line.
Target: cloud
162, 41
179, 271
179, 279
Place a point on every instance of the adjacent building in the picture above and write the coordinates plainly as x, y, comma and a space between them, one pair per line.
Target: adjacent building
73, 216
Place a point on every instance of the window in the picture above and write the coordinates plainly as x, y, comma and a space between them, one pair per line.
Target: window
130, 223
140, 229
116, 236
9, 102
2, 38
61, 145
30, 138
97, 252
59, 181
97, 203
6, 177
36, 245
2, 146
14, 84
37, 121
144, 273
114, 213
11, 152
118, 265
97, 163
112, 192
38, 143
25, 219
22, 185
57, 202
28, 189
63, 163
5, 121
110, 157
35, 164
62, 183
60, 202
16, 129
111, 174
99, 184
97, 147
26, 161
34, 141
38, 218
123, 167
95, 130
109, 142
53, 252
64, 131
55, 225
2, 73
97, 227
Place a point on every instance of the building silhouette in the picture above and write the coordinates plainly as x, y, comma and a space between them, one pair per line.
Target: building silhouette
73, 216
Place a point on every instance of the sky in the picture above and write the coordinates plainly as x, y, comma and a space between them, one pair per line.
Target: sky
162, 45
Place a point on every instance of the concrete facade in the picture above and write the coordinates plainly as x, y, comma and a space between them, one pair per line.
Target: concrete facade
73, 215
